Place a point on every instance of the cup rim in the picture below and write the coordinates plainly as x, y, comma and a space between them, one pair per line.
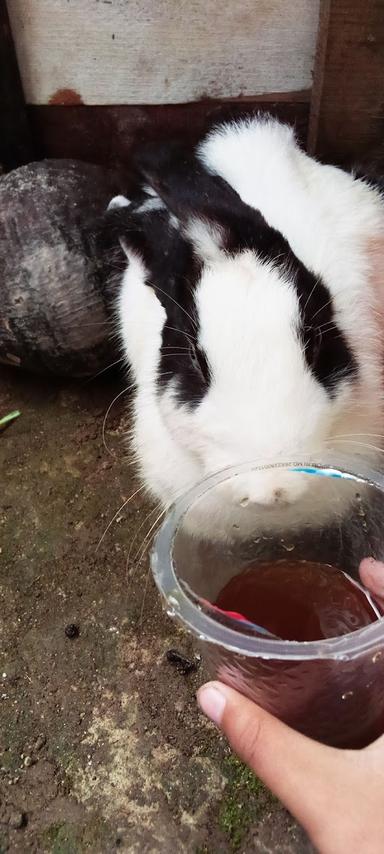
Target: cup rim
180, 606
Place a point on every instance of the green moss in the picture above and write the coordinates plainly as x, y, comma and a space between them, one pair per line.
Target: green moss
13, 735
96, 836
11, 761
245, 801
66, 838
61, 839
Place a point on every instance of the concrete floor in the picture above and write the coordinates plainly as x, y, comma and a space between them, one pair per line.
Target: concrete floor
102, 746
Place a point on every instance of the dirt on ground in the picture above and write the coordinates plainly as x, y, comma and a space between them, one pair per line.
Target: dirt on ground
102, 747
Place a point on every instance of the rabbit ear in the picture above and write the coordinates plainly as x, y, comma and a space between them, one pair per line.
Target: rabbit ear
187, 188
210, 213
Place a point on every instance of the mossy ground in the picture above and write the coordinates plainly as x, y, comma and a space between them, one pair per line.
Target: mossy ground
102, 747
245, 801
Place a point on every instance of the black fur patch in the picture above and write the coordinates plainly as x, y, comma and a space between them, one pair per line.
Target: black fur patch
173, 271
189, 190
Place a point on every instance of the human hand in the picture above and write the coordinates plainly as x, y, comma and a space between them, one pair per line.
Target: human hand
372, 575
337, 795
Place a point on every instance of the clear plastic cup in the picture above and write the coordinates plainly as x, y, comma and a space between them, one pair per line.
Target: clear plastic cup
326, 512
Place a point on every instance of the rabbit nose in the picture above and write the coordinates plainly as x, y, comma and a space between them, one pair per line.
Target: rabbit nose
267, 489
277, 497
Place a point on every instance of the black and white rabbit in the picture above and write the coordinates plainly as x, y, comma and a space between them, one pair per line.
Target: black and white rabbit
250, 310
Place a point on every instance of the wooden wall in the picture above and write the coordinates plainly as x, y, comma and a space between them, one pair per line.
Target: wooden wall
100, 76
162, 51
347, 109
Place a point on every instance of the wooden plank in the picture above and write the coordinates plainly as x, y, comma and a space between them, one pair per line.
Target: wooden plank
107, 135
347, 117
318, 75
15, 141
168, 51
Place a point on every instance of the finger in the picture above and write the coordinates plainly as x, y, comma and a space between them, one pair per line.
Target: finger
297, 769
372, 576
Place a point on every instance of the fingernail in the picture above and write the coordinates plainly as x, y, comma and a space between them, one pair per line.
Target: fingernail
212, 702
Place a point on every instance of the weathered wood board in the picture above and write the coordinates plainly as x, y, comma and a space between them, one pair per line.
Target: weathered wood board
15, 139
109, 134
347, 110
162, 51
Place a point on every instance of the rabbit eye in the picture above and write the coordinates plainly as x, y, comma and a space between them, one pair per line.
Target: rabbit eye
199, 361
312, 343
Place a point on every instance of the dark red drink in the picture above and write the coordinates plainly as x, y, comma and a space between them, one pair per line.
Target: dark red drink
298, 600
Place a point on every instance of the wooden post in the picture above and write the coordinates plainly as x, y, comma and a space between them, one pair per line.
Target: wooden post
347, 105
15, 138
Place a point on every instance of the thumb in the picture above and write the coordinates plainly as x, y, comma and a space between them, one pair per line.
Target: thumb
294, 767
372, 575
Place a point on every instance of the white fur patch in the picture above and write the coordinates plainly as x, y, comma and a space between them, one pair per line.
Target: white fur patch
263, 403
152, 204
206, 239
118, 202
149, 190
